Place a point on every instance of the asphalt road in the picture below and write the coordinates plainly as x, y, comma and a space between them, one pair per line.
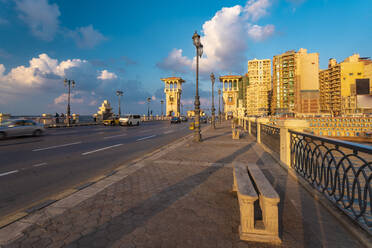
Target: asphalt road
34, 168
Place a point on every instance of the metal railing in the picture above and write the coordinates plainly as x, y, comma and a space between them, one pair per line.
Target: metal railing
254, 129
340, 170
270, 137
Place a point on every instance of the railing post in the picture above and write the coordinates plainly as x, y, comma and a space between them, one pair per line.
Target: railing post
249, 127
260, 121
285, 139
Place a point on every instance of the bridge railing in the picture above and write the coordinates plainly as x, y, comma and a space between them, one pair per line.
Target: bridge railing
270, 137
340, 170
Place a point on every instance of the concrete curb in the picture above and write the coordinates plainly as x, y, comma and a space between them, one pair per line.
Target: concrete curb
350, 225
12, 228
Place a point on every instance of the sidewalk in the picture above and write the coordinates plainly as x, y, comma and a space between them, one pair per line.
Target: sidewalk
178, 197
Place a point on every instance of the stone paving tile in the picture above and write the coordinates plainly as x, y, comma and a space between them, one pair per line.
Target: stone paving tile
180, 203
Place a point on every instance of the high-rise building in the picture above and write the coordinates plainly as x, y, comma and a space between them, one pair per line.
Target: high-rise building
259, 77
345, 85
295, 83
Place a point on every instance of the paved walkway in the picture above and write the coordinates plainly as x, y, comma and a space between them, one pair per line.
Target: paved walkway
179, 197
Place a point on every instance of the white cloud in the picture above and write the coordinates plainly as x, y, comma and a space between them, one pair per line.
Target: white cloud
37, 87
260, 33
41, 70
175, 62
106, 75
40, 16
64, 97
225, 39
255, 9
87, 37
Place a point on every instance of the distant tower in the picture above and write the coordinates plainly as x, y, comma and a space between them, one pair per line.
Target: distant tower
173, 90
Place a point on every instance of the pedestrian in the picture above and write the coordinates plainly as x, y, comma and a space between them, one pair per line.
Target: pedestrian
57, 118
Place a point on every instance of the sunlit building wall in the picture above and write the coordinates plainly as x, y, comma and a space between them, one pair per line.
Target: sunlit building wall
295, 77
259, 76
338, 94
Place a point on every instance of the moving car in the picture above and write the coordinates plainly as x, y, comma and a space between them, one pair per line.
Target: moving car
175, 119
14, 128
111, 122
183, 118
130, 120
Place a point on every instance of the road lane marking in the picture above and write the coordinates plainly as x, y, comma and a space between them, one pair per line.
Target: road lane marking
113, 136
8, 173
168, 132
148, 137
52, 147
41, 164
101, 149
61, 133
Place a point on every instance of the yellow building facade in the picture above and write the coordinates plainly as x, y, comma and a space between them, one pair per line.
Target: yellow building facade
295, 77
338, 85
173, 91
230, 94
259, 77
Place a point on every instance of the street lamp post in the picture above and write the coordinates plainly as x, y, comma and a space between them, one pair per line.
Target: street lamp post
213, 109
69, 83
119, 93
162, 102
148, 107
219, 105
199, 52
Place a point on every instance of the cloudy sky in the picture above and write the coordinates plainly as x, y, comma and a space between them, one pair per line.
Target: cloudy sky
129, 45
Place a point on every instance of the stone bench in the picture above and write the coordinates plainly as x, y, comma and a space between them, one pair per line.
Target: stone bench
236, 133
250, 185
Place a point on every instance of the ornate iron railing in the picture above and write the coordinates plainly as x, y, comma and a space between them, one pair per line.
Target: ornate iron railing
254, 129
270, 137
341, 170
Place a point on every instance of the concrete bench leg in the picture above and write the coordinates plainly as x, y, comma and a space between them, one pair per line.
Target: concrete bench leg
246, 205
269, 208
236, 134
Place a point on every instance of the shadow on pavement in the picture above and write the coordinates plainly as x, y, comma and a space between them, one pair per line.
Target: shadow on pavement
157, 203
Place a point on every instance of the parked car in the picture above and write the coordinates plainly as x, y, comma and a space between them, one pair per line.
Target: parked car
13, 128
175, 120
183, 118
203, 119
130, 120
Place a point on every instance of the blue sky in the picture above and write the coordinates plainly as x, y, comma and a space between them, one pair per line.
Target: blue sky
130, 45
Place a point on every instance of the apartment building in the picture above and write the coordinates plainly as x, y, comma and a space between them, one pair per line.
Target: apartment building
259, 77
295, 83
345, 88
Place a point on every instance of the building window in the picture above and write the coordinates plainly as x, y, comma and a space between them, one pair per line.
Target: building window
229, 99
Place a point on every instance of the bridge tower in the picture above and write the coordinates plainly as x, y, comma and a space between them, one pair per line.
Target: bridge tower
173, 90
231, 94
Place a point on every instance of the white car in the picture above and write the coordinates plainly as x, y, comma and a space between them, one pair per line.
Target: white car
15, 128
130, 120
